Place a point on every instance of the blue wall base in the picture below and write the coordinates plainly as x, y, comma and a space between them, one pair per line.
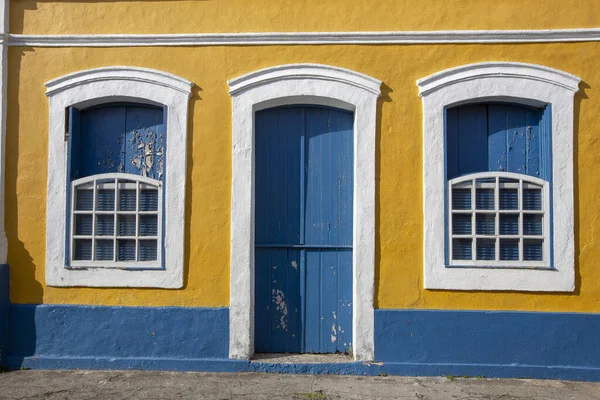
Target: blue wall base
407, 342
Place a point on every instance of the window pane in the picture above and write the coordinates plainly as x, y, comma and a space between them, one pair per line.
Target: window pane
105, 200
509, 249
532, 250
148, 250
127, 199
484, 199
148, 200
486, 249
532, 199
83, 225
104, 250
126, 250
461, 249
509, 199
532, 224
148, 225
83, 249
84, 200
485, 224
461, 199
509, 224
126, 225
461, 224
105, 225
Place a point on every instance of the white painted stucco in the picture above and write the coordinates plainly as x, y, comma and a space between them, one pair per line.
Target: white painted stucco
517, 83
302, 84
102, 85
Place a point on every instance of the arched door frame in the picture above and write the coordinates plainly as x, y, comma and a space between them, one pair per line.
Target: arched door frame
302, 84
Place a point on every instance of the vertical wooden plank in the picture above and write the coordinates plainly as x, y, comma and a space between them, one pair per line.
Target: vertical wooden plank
516, 146
497, 137
144, 142
102, 136
290, 131
328, 310
315, 225
262, 302
532, 130
312, 327
344, 300
294, 329
545, 129
472, 139
346, 178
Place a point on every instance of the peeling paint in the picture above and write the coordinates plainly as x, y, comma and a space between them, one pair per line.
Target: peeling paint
295, 265
333, 333
279, 300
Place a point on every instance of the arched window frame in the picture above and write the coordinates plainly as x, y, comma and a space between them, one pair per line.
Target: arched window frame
107, 85
520, 83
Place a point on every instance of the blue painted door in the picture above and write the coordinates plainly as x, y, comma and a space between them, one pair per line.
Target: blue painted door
303, 256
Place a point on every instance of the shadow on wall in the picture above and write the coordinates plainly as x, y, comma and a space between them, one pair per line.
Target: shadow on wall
24, 286
385, 98
579, 97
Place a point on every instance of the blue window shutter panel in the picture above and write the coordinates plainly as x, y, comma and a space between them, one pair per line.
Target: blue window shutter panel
497, 137
122, 138
144, 144
101, 140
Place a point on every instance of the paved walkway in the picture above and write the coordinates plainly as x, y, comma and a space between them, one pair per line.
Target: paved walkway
183, 385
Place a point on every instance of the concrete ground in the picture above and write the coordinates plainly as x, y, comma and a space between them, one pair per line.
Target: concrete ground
193, 385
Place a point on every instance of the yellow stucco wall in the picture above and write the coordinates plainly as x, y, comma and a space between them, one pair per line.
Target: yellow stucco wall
184, 16
399, 269
399, 176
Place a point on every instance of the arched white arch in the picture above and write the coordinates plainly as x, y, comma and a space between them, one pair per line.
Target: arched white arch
302, 84
518, 83
103, 85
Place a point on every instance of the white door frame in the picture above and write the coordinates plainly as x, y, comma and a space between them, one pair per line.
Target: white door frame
302, 84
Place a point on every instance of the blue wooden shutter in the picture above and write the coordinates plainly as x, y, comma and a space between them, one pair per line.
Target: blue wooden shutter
497, 137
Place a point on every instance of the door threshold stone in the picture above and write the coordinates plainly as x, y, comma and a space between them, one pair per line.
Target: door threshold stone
294, 358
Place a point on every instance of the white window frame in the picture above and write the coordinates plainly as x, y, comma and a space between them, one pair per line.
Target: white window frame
523, 180
527, 84
136, 181
302, 84
101, 86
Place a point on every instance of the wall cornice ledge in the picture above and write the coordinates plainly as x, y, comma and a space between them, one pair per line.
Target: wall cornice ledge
122, 73
497, 69
304, 71
307, 38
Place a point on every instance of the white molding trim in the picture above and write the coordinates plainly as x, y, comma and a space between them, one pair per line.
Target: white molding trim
133, 74
515, 82
302, 84
96, 86
308, 38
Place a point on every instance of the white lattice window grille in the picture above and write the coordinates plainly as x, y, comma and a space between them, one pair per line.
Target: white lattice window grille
498, 219
116, 221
